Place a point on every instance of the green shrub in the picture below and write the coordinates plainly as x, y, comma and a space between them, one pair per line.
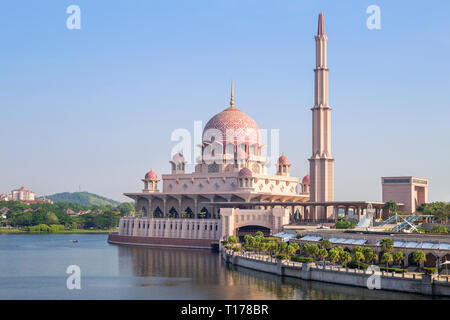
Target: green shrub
283, 256
439, 229
302, 259
396, 270
345, 224
430, 270
354, 265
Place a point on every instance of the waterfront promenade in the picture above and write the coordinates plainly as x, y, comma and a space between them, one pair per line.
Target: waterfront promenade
406, 282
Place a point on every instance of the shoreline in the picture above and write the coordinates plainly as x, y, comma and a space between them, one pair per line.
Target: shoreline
78, 231
424, 284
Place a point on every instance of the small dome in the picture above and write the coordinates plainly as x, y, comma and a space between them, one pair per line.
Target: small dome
283, 160
178, 157
306, 179
151, 176
245, 172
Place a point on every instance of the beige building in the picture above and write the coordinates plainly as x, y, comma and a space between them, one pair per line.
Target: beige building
411, 191
22, 194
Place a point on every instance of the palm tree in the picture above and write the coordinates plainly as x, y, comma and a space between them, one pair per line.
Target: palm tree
386, 258
313, 250
398, 257
387, 245
322, 254
368, 255
271, 246
333, 255
391, 206
358, 256
345, 257
291, 250
325, 244
357, 249
419, 257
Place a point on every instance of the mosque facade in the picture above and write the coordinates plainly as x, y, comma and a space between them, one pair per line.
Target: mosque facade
230, 191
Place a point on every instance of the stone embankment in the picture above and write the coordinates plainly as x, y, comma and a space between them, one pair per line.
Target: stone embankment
412, 283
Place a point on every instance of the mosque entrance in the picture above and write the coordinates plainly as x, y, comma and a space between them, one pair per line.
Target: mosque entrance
242, 231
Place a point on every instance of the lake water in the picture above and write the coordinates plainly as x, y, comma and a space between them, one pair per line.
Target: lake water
34, 267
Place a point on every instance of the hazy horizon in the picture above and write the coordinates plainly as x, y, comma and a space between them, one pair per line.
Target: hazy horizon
94, 109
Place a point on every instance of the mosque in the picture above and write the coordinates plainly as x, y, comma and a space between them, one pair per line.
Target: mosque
230, 191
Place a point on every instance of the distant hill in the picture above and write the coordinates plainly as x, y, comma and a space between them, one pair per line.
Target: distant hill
82, 198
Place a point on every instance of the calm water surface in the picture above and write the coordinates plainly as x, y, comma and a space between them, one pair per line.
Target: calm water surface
34, 267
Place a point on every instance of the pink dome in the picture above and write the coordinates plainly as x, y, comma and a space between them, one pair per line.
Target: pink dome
151, 176
283, 160
306, 179
245, 172
243, 127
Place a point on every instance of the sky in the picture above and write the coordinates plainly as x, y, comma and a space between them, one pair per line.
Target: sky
94, 108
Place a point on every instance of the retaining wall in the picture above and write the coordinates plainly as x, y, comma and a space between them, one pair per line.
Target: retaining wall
426, 284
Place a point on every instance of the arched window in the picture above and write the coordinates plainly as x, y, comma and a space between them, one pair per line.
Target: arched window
173, 213
230, 148
158, 213
213, 168
254, 149
255, 168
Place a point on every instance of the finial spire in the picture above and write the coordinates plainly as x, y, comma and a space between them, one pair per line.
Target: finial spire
232, 96
321, 26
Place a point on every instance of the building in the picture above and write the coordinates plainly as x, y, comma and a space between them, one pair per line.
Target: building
321, 163
410, 191
5, 197
22, 194
230, 191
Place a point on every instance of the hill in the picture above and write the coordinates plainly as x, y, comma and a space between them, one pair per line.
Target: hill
82, 198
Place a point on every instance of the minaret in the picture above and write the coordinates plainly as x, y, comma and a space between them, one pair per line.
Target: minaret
321, 163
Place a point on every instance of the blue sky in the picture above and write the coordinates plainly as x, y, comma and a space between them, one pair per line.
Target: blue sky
95, 108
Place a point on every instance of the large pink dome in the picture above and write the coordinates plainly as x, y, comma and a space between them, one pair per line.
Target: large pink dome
243, 127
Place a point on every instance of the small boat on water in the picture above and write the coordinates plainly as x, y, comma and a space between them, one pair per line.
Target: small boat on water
75, 241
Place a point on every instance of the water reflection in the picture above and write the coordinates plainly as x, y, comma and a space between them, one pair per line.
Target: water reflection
200, 274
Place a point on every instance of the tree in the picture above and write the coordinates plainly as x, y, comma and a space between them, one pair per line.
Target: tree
325, 244
51, 218
312, 250
322, 254
272, 247
369, 255
264, 246
358, 256
125, 208
419, 257
296, 246
391, 206
281, 247
233, 239
398, 257
387, 245
440, 210
345, 257
291, 250
259, 234
356, 249
386, 258
333, 255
